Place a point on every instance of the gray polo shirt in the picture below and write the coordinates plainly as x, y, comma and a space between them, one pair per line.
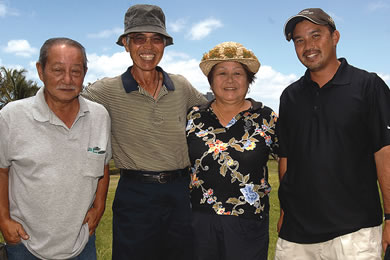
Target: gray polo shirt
53, 171
147, 134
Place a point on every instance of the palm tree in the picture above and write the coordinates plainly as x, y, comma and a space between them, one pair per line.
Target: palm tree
14, 85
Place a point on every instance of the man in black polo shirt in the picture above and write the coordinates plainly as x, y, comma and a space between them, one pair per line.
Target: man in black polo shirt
334, 136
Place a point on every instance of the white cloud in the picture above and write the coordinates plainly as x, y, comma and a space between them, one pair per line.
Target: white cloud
386, 78
181, 63
267, 87
106, 66
20, 48
204, 28
378, 6
177, 25
4, 11
106, 33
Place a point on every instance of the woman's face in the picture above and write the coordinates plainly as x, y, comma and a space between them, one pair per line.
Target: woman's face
230, 82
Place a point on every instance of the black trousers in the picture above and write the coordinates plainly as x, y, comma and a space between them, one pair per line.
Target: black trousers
229, 237
152, 221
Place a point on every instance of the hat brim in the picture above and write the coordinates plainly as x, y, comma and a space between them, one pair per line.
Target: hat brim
147, 28
252, 64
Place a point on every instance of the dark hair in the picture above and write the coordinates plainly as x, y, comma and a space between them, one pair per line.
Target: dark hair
250, 76
44, 52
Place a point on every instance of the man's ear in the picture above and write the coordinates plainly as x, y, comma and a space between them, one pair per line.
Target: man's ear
124, 42
40, 70
335, 37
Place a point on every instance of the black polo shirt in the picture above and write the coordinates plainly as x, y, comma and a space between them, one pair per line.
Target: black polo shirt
329, 136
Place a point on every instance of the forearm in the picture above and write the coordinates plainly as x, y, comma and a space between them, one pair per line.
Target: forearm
382, 160
4, 201
102, 189
282, 167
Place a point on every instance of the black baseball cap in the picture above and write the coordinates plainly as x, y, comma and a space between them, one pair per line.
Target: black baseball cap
314, 15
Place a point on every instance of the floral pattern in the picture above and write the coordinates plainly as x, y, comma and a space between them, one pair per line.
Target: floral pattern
229, 164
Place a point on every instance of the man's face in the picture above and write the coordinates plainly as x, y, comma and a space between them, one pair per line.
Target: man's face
146, 49
63, 74
315, 45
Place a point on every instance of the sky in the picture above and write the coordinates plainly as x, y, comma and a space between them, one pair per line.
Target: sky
196, 27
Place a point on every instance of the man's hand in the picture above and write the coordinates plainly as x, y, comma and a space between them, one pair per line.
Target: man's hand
93, 218
386, 235
13, 231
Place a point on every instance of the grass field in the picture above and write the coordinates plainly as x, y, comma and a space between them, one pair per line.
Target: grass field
104, 233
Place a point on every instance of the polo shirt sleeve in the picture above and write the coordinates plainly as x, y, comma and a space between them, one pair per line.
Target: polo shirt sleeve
379, 113
281, 128
96, 93
274, 147
195, 98
4, 138
108, 148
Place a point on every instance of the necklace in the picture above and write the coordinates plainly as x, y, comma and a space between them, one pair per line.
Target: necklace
158, 84
219, 114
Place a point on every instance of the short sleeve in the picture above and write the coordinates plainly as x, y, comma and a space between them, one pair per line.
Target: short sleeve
108, 148
280, 129
274, 147
379, 113
4, 137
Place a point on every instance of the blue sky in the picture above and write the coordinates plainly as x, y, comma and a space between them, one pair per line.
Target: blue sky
196, 27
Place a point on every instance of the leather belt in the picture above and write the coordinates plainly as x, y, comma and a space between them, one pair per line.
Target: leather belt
161, 177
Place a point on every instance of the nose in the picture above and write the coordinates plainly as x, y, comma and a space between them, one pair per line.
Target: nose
67, 79
148, 42
230, 77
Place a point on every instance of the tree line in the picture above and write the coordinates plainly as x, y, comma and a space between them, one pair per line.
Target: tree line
14, 85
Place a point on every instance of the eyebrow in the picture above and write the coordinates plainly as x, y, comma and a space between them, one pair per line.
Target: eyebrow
317, 30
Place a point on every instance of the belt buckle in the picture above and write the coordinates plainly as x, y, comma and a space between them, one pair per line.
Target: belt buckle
162, 178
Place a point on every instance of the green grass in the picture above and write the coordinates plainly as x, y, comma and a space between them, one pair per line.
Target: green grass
104, 230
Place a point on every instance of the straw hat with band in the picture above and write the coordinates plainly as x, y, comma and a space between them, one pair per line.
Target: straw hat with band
229, 51
145, 18
314, 15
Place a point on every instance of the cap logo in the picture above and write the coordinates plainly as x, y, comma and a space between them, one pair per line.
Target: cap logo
306, 12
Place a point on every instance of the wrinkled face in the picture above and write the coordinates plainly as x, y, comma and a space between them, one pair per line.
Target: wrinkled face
63, 74
315, 45
230, 82
146, 49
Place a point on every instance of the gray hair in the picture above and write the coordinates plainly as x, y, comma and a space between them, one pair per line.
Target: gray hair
44, 52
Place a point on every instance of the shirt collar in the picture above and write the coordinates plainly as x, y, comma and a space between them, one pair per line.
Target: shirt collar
341, 77
130, 84
255, 105
42, 112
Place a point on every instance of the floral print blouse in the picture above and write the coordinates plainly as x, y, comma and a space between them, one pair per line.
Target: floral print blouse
229, 174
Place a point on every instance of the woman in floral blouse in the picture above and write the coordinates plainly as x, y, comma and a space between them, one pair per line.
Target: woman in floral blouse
230, 141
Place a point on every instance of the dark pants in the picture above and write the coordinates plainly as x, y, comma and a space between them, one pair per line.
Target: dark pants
20, 252
152, 221
229, 237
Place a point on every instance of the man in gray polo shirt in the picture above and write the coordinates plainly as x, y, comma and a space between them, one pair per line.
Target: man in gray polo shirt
54, 153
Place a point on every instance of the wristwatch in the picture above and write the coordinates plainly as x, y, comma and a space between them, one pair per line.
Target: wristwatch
387, 216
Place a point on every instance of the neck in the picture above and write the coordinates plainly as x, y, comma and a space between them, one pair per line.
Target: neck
323, 76
225, 111
148, 80
66, 111
144, 77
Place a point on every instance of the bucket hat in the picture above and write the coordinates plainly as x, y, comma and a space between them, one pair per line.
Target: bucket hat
314, 15
145, 18
229, 51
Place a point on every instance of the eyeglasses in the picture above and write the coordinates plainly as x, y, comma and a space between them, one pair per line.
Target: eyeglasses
141, 39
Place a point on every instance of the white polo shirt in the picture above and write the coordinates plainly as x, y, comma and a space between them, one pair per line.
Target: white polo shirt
53, 171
